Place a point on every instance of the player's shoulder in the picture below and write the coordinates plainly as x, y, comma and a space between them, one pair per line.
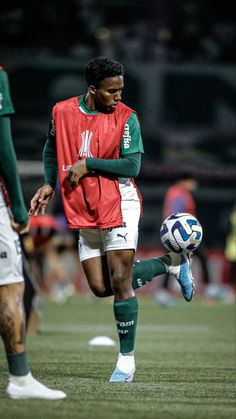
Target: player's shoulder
129, 114
66, 104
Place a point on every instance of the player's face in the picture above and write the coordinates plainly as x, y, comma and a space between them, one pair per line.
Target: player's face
108, 94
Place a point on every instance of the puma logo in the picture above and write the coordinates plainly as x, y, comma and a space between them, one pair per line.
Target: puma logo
124, 237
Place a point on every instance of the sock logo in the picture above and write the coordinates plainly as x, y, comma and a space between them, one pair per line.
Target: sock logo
122, 331
125, 324
139, 282
124, 237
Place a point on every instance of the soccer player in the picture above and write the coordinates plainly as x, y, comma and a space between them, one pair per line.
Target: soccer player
95, 145
14, 221
179, 198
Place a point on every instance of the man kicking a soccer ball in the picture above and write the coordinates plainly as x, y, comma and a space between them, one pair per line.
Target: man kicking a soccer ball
95, 144
22, 385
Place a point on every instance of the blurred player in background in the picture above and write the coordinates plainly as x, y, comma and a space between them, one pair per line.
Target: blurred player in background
179, 198
230, 248
95, 144
14, 221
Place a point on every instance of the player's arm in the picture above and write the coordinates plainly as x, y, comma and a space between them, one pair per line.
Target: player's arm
129, 163
50, 158
9, 172
44, 194
126, 166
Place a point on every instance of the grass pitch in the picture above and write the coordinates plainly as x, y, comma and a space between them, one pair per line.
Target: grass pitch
185, 359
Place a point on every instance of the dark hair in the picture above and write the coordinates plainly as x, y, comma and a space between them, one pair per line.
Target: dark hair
100, 68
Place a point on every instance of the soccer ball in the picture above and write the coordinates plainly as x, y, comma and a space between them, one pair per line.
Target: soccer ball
181, 232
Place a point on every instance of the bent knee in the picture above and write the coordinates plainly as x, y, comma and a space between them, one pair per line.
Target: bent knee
100, 292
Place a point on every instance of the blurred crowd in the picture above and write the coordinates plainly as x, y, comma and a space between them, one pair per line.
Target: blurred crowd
163, 30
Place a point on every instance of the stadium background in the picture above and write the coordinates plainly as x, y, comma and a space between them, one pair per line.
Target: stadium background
180, 66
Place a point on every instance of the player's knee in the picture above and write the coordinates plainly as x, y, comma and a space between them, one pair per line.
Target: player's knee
120, 283
99, 291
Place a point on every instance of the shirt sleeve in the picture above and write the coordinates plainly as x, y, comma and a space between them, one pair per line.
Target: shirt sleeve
50, 158
128, 166
6, 106
9, 172
132, 139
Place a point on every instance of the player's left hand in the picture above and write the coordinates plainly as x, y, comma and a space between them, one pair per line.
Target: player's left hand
76, 171
20, 228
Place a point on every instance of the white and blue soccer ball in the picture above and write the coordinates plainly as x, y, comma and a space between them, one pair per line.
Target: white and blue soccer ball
181, 232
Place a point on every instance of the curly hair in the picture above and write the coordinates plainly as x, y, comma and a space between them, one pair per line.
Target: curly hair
100, 68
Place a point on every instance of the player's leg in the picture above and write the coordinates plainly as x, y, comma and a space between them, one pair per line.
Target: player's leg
31, 287
111, 274
120, 245
91, 246
179, 265
125, 311
12, 329
12, 318
143, 272
125, 303
146, 269
97, 275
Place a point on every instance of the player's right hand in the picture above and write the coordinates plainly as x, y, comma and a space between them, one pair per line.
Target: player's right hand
40, 200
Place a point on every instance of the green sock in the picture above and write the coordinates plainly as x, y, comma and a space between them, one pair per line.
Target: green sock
145, 270
18, 364
126, 313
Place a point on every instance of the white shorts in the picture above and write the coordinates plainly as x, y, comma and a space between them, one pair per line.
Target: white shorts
10, 250
95, 242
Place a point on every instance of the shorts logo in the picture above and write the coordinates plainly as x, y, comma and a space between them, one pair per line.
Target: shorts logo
85, 150
125, 324
123, 237
3, 255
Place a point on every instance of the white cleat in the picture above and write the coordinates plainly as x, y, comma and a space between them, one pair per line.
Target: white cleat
36, 390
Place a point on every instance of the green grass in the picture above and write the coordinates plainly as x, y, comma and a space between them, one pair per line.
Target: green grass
185, 359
